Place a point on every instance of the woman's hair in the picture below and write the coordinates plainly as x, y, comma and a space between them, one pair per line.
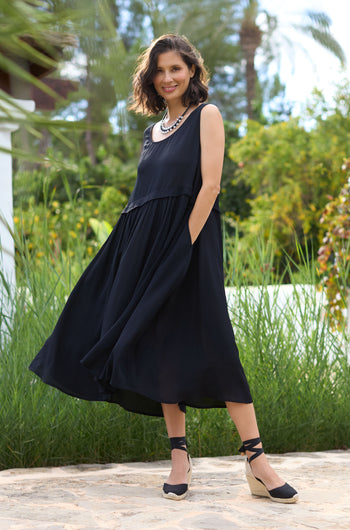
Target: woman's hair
145, 98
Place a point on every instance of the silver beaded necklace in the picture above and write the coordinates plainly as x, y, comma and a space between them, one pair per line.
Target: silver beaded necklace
164, 129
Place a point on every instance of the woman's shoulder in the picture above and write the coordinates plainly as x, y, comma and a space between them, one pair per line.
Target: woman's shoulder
210, 114
210, 110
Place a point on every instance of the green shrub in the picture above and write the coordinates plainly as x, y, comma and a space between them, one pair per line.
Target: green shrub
334, 253
291, 170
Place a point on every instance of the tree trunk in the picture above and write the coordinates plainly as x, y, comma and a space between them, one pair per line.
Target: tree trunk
250, 40
251, 80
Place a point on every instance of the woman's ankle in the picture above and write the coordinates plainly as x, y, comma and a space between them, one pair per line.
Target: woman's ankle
262, 469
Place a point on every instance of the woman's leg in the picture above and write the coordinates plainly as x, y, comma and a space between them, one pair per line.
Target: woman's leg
175, 421
243, 415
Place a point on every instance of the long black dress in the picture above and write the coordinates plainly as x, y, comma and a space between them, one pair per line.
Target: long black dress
147, 322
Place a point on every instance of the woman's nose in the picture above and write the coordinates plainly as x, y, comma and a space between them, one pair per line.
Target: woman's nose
167, 76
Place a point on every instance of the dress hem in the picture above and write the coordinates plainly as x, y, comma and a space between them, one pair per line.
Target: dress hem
108, 397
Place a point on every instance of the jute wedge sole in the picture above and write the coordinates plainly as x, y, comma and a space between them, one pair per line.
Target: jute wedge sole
258, 488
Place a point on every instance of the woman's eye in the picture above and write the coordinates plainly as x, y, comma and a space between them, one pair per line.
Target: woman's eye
158, 71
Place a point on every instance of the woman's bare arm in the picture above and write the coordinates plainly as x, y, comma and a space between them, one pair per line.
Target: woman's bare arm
212, 137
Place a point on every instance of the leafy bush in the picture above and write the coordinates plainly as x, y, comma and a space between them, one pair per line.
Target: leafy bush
68, 229
334, 254
291, 172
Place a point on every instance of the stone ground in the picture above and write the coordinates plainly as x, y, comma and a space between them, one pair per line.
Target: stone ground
128, 496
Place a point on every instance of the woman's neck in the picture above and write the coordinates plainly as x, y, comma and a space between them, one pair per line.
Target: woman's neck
175, 109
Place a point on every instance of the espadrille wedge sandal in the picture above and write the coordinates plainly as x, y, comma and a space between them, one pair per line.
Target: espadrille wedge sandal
284, 494
177, 492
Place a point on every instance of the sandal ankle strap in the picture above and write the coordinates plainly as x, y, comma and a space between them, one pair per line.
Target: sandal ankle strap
178, 442
249, 445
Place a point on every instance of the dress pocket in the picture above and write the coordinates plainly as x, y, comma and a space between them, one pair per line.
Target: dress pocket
188, 233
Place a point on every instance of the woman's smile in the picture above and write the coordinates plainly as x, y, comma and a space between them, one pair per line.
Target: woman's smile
169, 88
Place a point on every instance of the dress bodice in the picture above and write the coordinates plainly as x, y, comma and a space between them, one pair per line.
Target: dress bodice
170, 167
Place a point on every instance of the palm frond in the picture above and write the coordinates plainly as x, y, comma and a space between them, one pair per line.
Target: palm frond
319, 18
325, 39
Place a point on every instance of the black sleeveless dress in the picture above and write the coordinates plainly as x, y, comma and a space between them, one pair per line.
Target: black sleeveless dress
147, 322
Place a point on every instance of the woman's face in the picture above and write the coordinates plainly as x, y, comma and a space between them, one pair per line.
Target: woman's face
172, 76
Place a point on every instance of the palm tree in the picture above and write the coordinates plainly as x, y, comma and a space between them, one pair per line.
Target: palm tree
253, 36
250, 39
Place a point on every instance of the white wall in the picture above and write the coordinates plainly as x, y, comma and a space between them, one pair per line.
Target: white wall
7, 250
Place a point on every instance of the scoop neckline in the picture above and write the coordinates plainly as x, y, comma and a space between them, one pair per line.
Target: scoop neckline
176, 130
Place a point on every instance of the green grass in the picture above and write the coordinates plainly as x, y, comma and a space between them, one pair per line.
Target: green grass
297, 369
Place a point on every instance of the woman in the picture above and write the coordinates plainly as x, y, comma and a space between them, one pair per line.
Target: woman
147, 325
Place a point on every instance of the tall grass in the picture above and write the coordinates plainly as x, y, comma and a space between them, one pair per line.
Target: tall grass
298, 372
297, 367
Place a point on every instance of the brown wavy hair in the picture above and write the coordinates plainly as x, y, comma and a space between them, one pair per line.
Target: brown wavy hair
145, 99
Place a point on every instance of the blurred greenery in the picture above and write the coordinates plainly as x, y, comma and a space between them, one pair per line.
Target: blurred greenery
292, 172
94, 142
98, 43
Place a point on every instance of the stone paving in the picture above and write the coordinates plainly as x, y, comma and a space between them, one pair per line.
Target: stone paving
128, 496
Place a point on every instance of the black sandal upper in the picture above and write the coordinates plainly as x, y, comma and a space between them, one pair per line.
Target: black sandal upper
249, 445
178, 442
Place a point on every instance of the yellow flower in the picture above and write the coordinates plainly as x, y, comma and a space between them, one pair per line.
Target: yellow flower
16, 219
53, 234
30, 246
96, 211
39, 254
81, 219
89, 250
36, 218
78, 225
72, 234
55, 204
70, 253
